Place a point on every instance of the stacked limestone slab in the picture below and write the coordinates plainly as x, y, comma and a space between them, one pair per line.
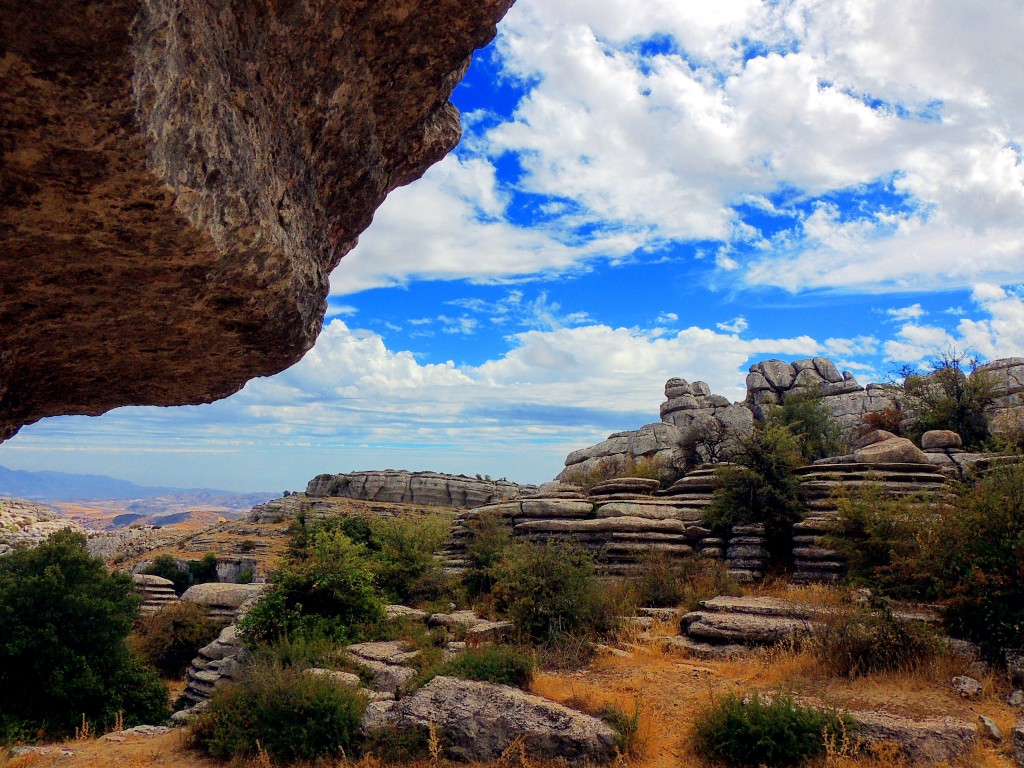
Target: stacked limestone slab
724, 627
693, 493
223, 602
824, 484
157, 593
710, 424
427, 488
619, 521
218, 664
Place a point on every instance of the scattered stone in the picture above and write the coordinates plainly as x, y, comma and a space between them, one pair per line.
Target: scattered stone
336, 675
456, 619
940, 438
989, 727
1016, 699
895, 450
404, 612
478, 721
489, 632
967, 687
138, 730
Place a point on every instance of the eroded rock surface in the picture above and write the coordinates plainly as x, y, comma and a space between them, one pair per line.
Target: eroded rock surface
180, 177
479, 721
432, 489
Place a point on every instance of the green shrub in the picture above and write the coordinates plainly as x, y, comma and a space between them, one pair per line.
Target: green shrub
166, 567
397, 746
760, 488
808, 419
548, 590
204, 571
489, 540
953, 395
776, 731
882, 539
667, 583
328, 592
403, 560
976, 556
63, 654
170, 639
862, 642
500, 664
626, 726
284, 711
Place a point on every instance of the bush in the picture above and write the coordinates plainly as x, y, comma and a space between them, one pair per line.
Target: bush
882, 539
166, 567
948, 397
667, 583
764, 732
499, 664
760, 488
170, 639
63, 654
287, 713
489, 540
808, 419
626, 726
548, 590
863, 642
329, 591
976, 557
403, 560
203, 571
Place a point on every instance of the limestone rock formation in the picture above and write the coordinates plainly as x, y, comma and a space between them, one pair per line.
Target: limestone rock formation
180, 178
658, 446
218, 664
157, 593
223, 602
431, 489
709, 424
931, 740
28, 523
893, 450
478, 721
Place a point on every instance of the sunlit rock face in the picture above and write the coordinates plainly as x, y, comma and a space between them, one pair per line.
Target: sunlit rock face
179, 178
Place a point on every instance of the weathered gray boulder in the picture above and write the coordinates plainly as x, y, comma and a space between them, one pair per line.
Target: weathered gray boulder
895, 450
940, 438
222, 602
931, 740
657, 445
967, 687
430, 489
478, 721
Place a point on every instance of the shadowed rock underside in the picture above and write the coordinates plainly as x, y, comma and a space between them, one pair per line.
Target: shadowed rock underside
178, 178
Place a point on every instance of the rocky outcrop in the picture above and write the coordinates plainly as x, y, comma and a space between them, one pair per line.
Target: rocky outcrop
477, 722
220, 663
709, 424
27, 523
724, 627
933, 740
180, 178
157, 593
655, 448
431, 489
223, 602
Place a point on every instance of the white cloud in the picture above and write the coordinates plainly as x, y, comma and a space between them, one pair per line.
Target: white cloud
899, 314
736, 325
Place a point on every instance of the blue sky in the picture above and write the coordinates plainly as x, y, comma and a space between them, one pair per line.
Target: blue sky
642, 191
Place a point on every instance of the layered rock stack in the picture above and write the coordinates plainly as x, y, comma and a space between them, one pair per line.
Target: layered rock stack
887, 465
747, 554
157, 593
223, 602
657, 447
619, 521
431, 489
725, 627
770, 382
709, 423
693, 492
218, 664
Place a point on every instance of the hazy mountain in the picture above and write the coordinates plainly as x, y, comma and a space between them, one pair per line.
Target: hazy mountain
63, 486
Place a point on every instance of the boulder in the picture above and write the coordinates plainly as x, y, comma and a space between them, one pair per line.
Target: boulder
932, 740
222, 602
940, 438
894, 450
967, 687
181, 183
478, 721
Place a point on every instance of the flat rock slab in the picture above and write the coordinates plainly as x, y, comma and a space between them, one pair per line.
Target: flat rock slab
395, 652
479, 721
224, 595
761, 606
933, 740
405, 612
704, 651
463, 619
745, 629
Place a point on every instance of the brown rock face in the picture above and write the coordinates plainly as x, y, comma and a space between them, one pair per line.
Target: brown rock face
179, 177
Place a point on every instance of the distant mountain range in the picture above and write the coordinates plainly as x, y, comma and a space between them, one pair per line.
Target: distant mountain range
63, 486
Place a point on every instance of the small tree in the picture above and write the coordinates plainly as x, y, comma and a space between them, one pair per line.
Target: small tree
63, 624
954, 396
760, 487
809, 420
